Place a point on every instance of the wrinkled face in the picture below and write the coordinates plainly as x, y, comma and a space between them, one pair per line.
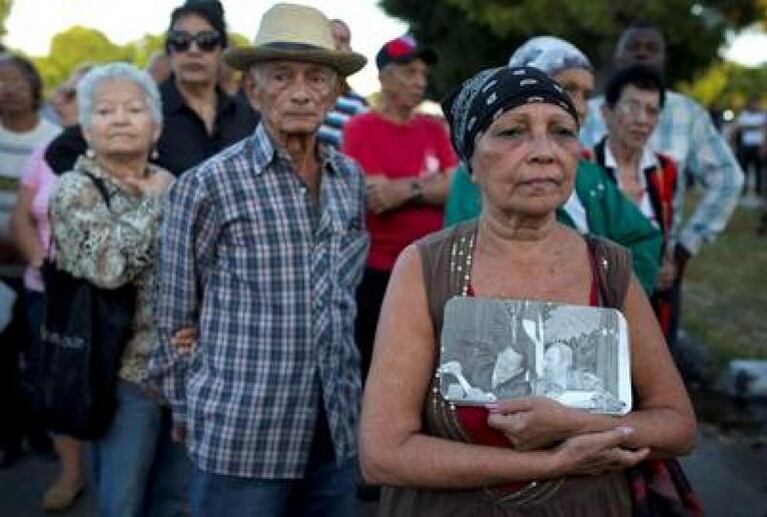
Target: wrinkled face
15, 90
525, 162
293, 96
405, 84
121, 122
634, 117
579, 84
342, 36
194, 58
641, 47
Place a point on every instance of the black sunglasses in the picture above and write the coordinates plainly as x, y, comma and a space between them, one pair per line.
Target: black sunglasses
207, 41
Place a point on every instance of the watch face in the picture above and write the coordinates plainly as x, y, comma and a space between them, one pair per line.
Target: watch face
416, 191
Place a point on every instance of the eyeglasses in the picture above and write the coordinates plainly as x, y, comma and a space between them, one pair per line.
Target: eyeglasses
635, 108
181, 41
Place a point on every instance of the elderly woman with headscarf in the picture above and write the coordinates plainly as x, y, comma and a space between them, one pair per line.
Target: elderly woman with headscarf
517, 131
596, 205
105, 215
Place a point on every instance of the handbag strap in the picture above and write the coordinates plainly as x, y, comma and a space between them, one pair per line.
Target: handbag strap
100, 186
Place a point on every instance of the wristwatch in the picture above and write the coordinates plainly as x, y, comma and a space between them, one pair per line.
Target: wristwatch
416, 192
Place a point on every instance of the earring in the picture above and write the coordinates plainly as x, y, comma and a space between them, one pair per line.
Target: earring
154, 155
90, 153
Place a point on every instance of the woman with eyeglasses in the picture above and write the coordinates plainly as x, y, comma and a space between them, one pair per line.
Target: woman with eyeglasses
200, 118
634, 98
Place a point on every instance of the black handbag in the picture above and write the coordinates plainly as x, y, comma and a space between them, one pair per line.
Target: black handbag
84, 332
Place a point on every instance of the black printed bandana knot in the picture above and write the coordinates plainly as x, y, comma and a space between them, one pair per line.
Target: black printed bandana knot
473, 106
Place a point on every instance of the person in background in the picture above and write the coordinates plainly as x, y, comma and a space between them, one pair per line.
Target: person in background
634, 99
749, 133
158, 66
349, 103
30, 227
64, 99
200, 118
686, 134
62, 152
596, 205
136, 467
262, 249
407, 159
22, 130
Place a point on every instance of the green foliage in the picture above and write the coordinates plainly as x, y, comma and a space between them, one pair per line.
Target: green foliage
474, 34
78, 45
238, 40
726, 84
5, 8
74, 46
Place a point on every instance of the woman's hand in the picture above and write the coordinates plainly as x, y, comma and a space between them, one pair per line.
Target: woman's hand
184, 340
153, 185
533, 423
596, 453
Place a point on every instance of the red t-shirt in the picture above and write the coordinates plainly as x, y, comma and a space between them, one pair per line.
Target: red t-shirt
417, 149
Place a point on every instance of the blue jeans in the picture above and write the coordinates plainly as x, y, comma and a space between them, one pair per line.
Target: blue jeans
137, 470
326, 490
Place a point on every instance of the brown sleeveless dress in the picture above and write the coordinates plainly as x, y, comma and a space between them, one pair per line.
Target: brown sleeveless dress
446, 260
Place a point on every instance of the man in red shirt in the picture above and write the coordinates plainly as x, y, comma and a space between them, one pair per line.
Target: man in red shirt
407, 157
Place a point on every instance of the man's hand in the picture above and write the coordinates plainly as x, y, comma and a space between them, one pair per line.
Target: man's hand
384, 194
184, 340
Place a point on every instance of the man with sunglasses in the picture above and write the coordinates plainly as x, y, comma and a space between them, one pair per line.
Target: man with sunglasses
200, 119
262, 249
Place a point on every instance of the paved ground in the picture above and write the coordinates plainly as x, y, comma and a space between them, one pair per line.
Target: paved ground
730, 476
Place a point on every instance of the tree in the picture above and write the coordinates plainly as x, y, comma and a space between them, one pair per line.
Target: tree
728, 85
75, 46
78, 45
473, 34
5, 9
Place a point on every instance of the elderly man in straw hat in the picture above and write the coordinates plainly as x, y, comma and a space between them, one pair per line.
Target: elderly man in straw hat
262, 249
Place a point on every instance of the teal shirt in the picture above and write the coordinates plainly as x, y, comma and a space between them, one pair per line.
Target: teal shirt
609, 214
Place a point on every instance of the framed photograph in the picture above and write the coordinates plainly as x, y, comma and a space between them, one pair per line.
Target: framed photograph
494, 349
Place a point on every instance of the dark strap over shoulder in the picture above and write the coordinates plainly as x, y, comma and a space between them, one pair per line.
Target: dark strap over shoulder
100, 185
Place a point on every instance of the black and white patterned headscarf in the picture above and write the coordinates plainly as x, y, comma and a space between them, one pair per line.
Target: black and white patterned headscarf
479, 101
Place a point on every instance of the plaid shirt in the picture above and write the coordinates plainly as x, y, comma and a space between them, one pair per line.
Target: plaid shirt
686, 134
268, 277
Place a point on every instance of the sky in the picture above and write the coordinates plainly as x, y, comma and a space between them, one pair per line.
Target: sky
123, 21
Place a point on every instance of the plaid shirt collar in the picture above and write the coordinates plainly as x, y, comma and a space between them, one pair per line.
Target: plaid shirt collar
265, 152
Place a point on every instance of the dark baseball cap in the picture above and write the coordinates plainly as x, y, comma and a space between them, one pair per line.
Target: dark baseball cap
404, 50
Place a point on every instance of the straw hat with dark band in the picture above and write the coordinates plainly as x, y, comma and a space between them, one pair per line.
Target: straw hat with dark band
295, 33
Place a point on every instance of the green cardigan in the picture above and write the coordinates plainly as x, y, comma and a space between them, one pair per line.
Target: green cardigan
609, 213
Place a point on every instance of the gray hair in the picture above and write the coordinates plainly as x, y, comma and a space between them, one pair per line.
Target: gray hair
86, 89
